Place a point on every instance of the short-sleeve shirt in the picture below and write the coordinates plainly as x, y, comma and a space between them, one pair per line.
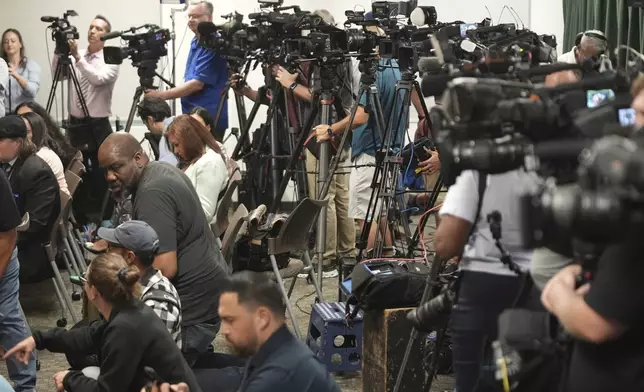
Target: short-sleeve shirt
10, 216
502, 193
366, 138
208, 67
615, 293
166, 200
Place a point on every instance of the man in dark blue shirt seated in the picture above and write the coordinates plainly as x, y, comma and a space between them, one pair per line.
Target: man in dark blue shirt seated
206, 74
254, 324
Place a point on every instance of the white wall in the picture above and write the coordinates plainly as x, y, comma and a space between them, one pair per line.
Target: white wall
546, 17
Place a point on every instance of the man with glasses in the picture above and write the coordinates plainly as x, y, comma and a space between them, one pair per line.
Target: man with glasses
206, 74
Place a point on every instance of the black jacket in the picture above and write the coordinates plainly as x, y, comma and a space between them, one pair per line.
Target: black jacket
36, 191
133, 337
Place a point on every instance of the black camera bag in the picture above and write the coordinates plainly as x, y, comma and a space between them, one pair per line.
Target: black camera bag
388, 285
251, 254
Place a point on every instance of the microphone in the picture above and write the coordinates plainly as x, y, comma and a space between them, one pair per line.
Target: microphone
430, 64
113, 34
434, 85
48, 19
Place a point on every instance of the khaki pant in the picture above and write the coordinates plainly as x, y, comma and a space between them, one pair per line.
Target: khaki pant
340, 229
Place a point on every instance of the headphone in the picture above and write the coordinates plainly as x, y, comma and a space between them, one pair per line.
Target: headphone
592, 34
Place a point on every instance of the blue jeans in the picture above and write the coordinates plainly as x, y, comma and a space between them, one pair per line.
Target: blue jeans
14, 328
195, 340
4, 385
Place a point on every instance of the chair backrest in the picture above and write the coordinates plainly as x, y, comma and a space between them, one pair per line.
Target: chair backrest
221, 219
73, 180
236, 222
59, 225
294, 234
77, 167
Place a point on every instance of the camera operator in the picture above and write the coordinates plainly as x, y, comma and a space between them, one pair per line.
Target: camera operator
206, 74
605, 315
486, 286
592, 47
97, 81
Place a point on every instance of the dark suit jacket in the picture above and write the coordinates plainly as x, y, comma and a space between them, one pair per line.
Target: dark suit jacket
37, 192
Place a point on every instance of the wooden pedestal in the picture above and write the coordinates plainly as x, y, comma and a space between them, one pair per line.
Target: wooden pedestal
386, 334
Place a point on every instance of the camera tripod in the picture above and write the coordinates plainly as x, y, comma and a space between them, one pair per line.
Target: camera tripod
384, 197
240, 104
146, 72
324, 97
64, 69
246, 151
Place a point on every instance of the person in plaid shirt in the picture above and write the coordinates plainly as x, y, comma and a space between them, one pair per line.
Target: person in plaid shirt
138, 243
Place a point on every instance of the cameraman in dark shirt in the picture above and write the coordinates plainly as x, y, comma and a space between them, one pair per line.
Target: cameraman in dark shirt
164, 198
607, 318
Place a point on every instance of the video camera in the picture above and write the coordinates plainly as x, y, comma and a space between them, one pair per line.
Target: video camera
62, 31
144, 49
493, 125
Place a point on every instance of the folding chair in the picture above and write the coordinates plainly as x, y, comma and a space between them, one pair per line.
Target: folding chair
76, 167
223, 212
294, 236
230, 236
72, 241
51, 248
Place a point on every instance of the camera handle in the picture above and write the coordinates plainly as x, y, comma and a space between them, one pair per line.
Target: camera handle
494, 219
587, 255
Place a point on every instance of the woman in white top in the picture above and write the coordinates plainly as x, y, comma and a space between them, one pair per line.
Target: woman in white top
200, 157
24, 82
37, 132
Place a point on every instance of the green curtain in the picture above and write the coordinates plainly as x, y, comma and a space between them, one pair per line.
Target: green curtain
621, 24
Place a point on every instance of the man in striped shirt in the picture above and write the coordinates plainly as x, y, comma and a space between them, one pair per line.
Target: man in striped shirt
138, 243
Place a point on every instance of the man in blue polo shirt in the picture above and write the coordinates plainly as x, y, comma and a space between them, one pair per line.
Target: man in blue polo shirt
205, 77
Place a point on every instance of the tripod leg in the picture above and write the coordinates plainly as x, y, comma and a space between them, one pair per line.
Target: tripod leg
244, 139
431, 290
295, 155
79, 92
135, 102
54, 86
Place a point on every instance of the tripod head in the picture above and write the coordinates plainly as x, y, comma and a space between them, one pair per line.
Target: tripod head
368, 67
147, 71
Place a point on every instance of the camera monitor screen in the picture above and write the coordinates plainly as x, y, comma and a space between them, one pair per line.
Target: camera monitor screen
595, 98
626, 116
467, 26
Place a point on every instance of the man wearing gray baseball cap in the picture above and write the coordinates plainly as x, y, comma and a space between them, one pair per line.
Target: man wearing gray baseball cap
138, 243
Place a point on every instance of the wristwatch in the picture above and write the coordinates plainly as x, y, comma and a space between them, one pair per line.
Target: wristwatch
330, 131
292, 86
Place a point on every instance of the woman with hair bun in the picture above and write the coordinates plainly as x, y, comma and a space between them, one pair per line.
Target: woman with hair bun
128, 338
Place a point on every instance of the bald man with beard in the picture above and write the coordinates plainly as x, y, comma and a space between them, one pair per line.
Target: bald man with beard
164, 198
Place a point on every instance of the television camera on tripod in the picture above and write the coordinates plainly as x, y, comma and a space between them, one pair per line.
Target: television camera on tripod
144, 49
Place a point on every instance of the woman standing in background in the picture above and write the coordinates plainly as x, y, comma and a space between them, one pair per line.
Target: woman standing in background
24, 81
